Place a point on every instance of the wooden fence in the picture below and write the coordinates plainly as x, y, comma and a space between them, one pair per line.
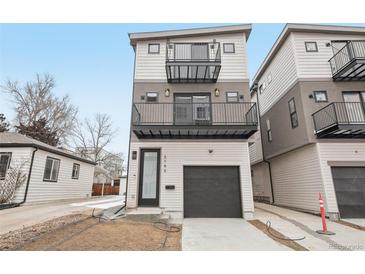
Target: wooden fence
108, 190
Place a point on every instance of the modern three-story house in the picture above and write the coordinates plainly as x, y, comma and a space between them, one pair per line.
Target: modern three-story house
191, 119
310, 91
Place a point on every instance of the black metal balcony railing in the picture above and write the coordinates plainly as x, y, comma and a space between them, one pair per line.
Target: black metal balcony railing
340, 120
193, 62
349, 62
194, 120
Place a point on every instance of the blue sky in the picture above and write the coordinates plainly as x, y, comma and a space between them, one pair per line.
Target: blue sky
93, 63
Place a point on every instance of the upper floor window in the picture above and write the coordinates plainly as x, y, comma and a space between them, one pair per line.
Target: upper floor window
268, 129
51, 170
228, 48
311, 47
5, 158
152, 97
261, 89
320, 96
293, 113
269, 78
75, 171
232, 96
153, 48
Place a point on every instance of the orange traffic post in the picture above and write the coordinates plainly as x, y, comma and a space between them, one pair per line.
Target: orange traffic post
323, 217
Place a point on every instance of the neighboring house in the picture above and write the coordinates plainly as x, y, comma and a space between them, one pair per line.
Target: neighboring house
191, 120
311, 99
111, 163
51, 173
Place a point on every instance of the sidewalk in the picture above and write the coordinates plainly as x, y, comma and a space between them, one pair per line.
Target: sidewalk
294, 224
28, 215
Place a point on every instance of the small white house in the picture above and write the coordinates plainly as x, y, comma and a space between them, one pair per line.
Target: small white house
49, 173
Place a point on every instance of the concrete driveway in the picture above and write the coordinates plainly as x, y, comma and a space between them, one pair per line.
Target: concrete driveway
15, 218
225, 234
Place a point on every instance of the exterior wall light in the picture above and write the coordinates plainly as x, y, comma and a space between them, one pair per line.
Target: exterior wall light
216, 92
167, 92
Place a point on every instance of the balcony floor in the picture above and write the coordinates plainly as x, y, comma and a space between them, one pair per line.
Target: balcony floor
195, 132
343, 131
354, 71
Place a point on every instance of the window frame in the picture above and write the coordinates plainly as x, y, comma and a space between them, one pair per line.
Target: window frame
233, 48
150, 92
153, 52
311, 42
293, 113
268, 130
315, 96
269, 78
237, 96
78, 171
58, 171
10, 154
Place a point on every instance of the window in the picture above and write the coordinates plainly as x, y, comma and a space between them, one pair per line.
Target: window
51, 170
228, 48
152, 97
75, 171
261, 89
293, 113
320, 96
263, 86
5, 158
268, 127
311, 47
269, 78
153, 48
232, 97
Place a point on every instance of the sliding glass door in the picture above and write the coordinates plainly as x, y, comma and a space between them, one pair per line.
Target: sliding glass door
192, 109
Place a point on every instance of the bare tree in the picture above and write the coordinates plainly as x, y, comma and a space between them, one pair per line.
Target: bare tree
4, 126
35, 101
91, 138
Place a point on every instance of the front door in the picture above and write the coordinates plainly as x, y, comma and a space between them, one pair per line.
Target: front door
354, 106
149, 178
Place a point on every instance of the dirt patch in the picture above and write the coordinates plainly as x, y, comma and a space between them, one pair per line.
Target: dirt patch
92, 234
277, 236
17, 238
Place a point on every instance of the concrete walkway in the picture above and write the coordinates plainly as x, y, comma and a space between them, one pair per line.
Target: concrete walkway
28, 215
294, 224
225, 234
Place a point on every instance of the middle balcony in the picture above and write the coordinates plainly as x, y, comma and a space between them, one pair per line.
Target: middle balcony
194, 120
193, 62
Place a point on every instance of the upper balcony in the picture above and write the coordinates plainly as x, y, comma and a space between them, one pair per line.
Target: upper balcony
194, 120
349, 62
340, 120
193, 62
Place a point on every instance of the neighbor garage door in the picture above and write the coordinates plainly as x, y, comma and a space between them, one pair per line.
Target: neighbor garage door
212, 191
350, 191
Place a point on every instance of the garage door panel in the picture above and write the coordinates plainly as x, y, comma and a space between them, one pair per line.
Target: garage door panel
349, 183
212, 192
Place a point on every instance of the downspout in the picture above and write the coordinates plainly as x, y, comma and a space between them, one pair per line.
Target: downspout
263, 151
26, 188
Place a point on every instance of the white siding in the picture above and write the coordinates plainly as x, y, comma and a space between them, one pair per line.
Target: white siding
283, 72
21, 156
234, 65
179, 154
297, 178
338, 154
315, 64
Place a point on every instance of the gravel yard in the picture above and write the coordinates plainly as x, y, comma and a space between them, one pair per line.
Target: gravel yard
81, 232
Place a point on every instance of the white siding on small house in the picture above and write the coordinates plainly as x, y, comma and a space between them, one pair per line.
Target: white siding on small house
179, 154
283, 74
65, 187
234, 65
338, 154
297, 178
315, 64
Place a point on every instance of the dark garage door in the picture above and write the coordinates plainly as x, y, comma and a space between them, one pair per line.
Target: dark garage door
350, 191
212, 192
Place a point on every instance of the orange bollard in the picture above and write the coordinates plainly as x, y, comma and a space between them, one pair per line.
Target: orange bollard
323, 216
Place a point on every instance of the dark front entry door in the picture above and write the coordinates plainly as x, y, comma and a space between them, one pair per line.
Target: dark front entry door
212, 192
148, 193
349, 185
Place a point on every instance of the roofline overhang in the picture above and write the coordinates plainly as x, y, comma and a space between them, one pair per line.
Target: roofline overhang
44, 148
308, 28
141, 36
